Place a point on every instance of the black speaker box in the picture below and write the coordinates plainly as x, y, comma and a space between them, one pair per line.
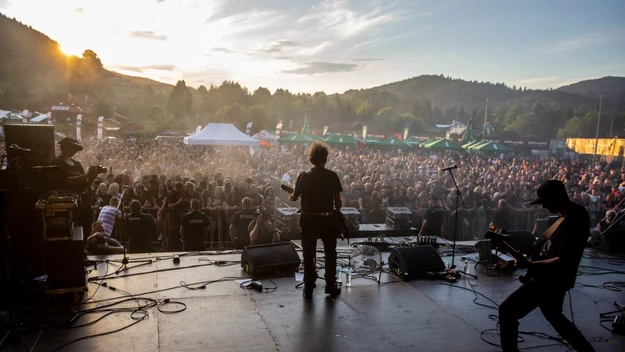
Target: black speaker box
38, 138
523, 241
412, 262
267, 259
612, 241
65, 266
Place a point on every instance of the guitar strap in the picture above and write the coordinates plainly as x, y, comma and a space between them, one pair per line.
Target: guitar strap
549, 232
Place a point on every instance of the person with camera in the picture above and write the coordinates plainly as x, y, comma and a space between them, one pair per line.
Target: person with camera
262, 230
71, 176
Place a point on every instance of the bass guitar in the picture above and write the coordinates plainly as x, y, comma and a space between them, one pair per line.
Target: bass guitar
339, 219
502, 239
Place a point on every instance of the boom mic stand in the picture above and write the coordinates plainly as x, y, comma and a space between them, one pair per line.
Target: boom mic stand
452, 272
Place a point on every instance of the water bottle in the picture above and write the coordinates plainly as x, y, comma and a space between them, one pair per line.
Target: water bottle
348, 277
339, 279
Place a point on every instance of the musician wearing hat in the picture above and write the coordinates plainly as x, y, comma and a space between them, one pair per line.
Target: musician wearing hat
71, 176
552, 272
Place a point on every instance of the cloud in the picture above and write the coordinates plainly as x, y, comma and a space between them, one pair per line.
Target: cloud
5, 4
140, 69
314, 68
584, 41
79, 10
148, 35
222, 50
538, 80
367, 59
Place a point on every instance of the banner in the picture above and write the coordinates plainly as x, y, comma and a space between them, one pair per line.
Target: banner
606, 146
100, 128
364, 132
405, 133
78, 125
49, 117
198, 129
25, 116
278, 129
325, 130
248, 128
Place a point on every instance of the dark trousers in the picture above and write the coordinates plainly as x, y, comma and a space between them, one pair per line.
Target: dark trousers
547, 297
313, 228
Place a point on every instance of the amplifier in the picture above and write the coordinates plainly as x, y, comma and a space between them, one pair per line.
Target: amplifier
287, 214
352, 218
58, 220
64, 265
398, 224
397, 213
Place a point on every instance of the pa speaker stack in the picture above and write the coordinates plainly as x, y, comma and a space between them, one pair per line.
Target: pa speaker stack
270, 259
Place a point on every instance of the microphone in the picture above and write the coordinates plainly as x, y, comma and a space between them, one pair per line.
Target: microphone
449, 168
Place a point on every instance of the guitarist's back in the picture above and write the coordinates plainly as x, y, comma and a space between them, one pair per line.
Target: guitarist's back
317, 188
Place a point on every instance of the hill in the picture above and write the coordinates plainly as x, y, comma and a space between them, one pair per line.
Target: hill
613, 86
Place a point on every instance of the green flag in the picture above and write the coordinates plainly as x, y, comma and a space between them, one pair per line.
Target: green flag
467, 136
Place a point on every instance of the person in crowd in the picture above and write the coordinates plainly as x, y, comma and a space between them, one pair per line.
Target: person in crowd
603, 225
269, 200
504, 216
364, 202
433, 220
239, 227
98, 243
194, 228
262, 230
138, 229
109, 215
101, 197
159, 201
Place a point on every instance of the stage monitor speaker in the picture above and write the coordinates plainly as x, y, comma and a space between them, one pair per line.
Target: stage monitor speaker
523, 241
38, 138
65, 266
413, 262
484, 250
267, 259
612, 241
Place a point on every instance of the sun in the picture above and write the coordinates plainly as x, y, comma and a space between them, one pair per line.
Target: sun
72, 50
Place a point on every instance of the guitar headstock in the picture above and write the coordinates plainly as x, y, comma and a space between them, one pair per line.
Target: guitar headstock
287, 189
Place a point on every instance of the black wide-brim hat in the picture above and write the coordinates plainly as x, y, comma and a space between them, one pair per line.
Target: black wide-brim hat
71, 142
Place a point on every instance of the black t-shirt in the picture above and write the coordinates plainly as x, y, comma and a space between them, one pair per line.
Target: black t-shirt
194, 224
317, 189
398, 202
173, 198
65, 171
568, 243
138, 228
435, 217
241, 222
503, 219
366, 199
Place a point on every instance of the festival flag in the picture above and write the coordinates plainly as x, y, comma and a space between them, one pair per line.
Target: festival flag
25, 116
467, 136
405, 133
360, 145
398, 136
78, 126
100, 128
325, 130
49, 117
306, 127
248, 128
278, 129
364, 132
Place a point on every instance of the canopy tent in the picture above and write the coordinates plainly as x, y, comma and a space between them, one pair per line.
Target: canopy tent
372, 140
168, 132
472, 143
431, 140
394, 142
341, 139
494, 147
221, 134
296, 138
413, 141
39, 119
265, 136
473, 146
443, 144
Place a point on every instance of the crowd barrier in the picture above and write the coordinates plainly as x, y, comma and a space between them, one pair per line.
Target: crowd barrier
472, 224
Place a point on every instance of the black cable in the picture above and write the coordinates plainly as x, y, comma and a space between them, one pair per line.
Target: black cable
167, 301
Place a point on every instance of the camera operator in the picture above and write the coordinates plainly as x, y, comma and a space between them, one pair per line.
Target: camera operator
262, 230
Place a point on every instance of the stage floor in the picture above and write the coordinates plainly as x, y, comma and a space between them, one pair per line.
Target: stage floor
419, 315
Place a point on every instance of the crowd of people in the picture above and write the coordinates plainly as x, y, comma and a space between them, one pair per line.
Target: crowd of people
165, 176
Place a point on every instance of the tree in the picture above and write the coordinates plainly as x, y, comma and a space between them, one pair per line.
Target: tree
261, 96
234, 114
180, 100
261, 118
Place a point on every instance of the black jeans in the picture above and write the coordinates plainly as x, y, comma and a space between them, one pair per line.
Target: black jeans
313, 228
549, 298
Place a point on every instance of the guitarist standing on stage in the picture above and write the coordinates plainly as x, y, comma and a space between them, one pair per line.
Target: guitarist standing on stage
553, 274
320, 190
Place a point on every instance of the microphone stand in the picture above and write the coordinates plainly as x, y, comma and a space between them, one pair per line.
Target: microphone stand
453, 273
126, 260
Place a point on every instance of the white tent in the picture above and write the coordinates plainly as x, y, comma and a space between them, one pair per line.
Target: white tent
266, 136
39, 119
221, 134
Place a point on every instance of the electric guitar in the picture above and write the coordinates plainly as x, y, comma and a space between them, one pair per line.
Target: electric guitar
500, 238
339, 218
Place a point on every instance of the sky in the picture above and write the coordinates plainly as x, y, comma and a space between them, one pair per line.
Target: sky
336, 45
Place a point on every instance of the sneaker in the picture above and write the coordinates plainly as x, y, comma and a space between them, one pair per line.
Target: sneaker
333, 290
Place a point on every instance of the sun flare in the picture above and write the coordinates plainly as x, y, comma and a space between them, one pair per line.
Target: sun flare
71, 50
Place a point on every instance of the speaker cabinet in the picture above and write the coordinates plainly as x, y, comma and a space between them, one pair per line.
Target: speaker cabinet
267, 259
38, 138
612, 241
64, 265
413, 262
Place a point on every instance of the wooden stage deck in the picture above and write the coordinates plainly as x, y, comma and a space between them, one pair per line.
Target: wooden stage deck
419, 315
